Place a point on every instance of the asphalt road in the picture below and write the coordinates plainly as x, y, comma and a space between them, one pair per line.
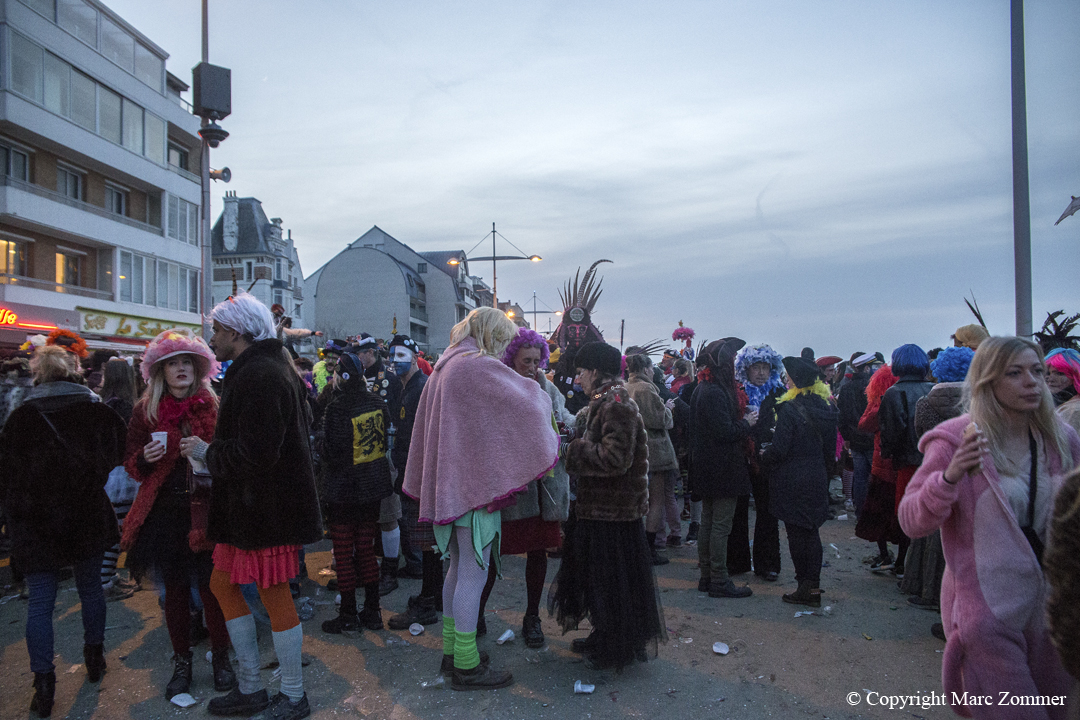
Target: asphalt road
871, 646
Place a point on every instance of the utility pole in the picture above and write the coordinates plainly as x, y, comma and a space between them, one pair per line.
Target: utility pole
207, 254
1021, 196
494, 279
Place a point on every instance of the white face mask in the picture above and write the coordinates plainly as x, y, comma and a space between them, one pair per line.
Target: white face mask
402, 359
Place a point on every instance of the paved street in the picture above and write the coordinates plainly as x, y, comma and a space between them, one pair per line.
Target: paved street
779, 666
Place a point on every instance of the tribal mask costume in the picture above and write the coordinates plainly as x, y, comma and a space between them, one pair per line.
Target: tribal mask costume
579, 299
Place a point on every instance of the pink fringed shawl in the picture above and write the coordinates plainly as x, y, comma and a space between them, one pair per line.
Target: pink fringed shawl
482, 433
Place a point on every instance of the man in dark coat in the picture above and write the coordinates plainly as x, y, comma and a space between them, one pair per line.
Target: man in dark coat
719, 472
418, 540
263, 503
852, 404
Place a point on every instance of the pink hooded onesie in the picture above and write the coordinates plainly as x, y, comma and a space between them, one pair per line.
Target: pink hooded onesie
993, 594
482, 433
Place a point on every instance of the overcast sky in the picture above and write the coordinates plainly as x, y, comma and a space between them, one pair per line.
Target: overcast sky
816, 172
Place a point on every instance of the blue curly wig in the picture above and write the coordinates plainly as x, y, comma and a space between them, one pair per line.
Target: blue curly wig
951, 364
910, 360
751, 354
526, 338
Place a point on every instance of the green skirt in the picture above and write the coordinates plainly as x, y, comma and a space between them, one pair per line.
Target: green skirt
485, 526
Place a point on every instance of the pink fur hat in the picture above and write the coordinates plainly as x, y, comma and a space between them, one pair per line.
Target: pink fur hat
180, 341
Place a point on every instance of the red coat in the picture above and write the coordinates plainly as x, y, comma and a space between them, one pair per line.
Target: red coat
200, 417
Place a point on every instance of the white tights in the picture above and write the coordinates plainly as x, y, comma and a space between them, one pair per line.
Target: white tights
464, 580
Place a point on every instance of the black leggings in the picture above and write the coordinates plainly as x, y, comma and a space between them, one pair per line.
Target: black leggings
806, 554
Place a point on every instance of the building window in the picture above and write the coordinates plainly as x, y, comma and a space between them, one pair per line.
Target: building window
149, 67
249, 271
46, 8
178, 157
149, 281
69, 182
117, 45
133, 127
115, 200
183, 220
13, 257
421, 268
83, 101
26, 67
67, 268
14, 163
278, 298
79, 19
110, 113
277, 269
154, 147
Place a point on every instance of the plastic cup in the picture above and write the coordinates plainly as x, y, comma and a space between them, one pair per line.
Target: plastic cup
161, 437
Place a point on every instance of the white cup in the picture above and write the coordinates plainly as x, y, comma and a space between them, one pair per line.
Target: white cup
161, 437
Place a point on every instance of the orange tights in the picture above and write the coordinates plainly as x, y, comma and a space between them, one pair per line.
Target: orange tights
277, 599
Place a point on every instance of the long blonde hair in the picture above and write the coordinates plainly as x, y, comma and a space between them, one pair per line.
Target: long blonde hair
156, 388
491, 329
991, 360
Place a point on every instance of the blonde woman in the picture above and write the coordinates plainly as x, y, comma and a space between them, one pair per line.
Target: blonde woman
463, 471
177, 367
987, 480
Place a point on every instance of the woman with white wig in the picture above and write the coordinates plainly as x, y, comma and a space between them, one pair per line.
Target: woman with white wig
463, 472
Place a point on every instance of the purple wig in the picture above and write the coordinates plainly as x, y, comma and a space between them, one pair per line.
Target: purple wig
526, 338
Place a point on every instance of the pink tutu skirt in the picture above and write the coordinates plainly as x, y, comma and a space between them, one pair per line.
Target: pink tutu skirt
265, 567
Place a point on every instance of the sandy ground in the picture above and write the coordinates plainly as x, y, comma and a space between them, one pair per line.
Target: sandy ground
780, 666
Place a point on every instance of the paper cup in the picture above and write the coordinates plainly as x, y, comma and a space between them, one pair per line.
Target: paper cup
161, 437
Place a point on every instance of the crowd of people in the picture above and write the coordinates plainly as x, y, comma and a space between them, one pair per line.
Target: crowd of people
211, 464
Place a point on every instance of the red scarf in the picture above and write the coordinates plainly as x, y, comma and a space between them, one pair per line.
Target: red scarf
198, 415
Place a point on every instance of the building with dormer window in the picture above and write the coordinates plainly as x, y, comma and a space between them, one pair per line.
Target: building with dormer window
247, 244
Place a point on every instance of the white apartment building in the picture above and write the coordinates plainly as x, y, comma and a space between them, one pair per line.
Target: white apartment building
99, 179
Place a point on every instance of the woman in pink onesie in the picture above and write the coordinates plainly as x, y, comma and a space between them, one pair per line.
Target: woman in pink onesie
975, 483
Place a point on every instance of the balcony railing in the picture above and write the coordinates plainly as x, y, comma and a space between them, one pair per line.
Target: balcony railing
61, 198
185, 174
20, 281
417, 313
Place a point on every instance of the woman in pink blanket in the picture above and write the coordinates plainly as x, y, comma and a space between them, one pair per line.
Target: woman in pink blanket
988, 480
463, 470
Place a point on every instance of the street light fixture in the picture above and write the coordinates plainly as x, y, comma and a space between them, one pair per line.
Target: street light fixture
494, 259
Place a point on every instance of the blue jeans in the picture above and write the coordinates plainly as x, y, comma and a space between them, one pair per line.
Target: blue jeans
39, 611
860, 481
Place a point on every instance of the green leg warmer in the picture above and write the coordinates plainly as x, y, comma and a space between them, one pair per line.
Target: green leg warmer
449, 635
466, 656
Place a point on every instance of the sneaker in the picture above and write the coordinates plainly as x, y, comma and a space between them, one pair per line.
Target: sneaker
420, 610
114, 592
674, 541
532, 632
282, 708
703, 584
692, 533
729, 589
237, 703
371, 618
898, 570
481, 677
126, 583
658, 559
344, 622
849, 506
882, 563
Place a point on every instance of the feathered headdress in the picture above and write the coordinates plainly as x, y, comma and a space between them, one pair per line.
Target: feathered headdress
70, 341
579, 297
685, 334
1056, 334
751, 354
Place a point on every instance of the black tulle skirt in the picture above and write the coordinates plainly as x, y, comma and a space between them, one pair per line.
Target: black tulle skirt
606, 576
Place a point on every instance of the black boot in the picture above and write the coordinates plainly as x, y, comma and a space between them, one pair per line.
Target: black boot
224, 676
346, 620
371, 616
181, 677
388, 582
44, 692
421, 610
94, 655
804, 596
